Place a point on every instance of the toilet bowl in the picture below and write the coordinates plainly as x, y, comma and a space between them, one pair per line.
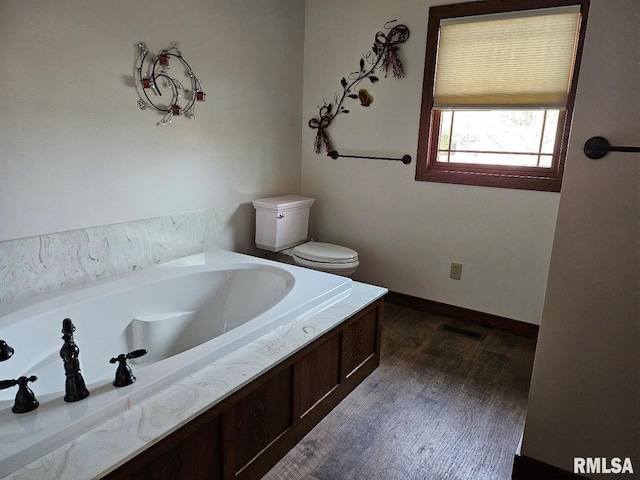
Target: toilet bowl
282, 226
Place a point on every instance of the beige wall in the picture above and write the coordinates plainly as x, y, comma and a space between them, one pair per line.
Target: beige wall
406, 232
75, 149
585, 391
77, 152
586, 381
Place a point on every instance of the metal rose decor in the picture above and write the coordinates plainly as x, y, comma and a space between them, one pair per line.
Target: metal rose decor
382, 57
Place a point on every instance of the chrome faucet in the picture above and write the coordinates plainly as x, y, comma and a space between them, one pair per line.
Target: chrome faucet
5, 351
75, 388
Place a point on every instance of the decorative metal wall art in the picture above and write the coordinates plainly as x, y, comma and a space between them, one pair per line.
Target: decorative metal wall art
383, 56
170, 96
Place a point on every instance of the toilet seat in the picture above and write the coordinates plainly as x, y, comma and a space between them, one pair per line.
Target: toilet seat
326, 257
325, 253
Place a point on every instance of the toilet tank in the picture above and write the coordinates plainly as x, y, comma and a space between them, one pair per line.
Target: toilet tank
282, 222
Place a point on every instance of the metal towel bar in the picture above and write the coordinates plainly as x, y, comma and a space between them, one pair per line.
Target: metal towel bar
406, 159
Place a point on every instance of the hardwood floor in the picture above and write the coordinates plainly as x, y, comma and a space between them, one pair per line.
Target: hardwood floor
441, 406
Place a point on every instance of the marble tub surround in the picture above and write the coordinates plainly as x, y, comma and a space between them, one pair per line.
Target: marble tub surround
118, 439
47, 263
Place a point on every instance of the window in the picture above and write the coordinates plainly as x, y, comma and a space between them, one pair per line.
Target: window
499, 86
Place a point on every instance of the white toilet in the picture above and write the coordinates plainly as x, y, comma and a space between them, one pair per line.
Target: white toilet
282, 225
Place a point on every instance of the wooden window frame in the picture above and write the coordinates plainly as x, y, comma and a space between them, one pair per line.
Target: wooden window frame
502, 176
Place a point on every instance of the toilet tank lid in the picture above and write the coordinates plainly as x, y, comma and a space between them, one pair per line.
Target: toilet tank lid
325, 253
283, 203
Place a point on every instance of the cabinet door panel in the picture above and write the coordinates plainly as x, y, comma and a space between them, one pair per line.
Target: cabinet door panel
360, 340
319, 372
262, 415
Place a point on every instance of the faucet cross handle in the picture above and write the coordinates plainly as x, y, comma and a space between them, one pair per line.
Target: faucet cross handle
4, 384
25, 399
124, 375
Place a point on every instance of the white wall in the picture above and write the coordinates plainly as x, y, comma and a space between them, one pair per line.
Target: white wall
75, 149
406, 232
585, 390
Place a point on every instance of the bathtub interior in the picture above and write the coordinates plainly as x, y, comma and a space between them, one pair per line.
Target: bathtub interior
222, 306
187, 314
166, 318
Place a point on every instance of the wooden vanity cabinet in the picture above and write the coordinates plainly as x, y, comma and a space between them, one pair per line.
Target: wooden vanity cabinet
244, 435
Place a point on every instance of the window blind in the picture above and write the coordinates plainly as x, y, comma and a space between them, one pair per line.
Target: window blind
515, 60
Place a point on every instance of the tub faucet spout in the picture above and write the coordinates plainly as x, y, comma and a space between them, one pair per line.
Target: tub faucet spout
75, 388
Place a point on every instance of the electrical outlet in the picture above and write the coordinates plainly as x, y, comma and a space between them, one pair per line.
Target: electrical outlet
456, 271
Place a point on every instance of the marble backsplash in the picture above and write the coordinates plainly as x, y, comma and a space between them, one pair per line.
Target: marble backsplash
45, 263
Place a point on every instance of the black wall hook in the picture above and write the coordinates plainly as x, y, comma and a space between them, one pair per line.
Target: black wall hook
598, 147
406, 159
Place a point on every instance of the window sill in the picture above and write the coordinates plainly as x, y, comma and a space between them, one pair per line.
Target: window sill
551, 183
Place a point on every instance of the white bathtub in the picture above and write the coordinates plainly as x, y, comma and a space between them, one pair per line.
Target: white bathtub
186, 313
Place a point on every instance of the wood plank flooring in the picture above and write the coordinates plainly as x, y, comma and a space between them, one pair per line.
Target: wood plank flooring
440, 407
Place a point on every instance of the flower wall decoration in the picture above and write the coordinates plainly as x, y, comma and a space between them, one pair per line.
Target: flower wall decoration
384, 57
